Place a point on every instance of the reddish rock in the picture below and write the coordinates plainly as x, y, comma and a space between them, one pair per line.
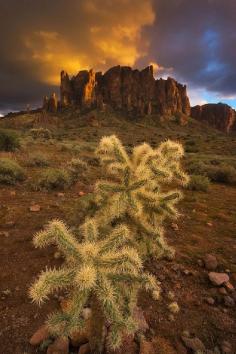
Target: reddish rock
229, 286
229, 301
60, 346
210, 262
52, 103
218, 278
220, 116
194, 343
84, 349
120, 87
140, 319
40, 335
35, 208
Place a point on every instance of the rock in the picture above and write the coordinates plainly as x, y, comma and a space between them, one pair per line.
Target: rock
210, 262
52, 104
4, 233
226, 347
194, 343
60, 194
86, 313
223, 291
229, 286
84, 349
220, 116
218, 278
12, 193
174, 226
146, 347
35, 208
209, 224
136, 92
81, 336
60, 346
39, 336
228, 301
81, 193
210, 300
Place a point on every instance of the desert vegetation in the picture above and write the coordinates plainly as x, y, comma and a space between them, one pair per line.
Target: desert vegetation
82, 189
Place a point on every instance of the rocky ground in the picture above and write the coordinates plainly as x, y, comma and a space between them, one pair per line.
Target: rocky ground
201, 280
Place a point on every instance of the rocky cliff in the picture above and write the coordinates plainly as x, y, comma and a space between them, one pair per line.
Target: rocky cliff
120, 87
220, 116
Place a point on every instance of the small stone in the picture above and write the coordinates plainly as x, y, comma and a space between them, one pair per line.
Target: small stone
12, 193
81, 193
35, 208
194, 343
174, 307
39, 336
218, 278
4, 233
209, 224
210, 262
229, 286
6, 292
229, 302
84, 349
226, 347
210, 300
60, 194
174, 226
186, 272
223, 291
60, 346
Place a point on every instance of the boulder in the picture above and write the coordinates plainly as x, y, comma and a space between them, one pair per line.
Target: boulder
39, 336
220, 116
218, 278
60, 346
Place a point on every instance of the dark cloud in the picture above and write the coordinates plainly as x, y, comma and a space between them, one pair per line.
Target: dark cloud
192, 40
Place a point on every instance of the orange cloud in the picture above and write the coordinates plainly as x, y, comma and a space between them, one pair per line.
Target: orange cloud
106, 33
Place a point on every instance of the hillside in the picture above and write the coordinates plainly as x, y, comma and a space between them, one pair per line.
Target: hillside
206, 226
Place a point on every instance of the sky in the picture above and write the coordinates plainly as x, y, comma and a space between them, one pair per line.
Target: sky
192, 41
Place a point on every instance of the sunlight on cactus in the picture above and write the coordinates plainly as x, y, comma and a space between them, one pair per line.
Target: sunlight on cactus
103, 269
135, 191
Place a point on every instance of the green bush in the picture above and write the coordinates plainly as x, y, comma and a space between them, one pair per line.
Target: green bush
41, 133
76, 167
199, 183
222, 174
37, 160
9, 140
53, 178
196, 167
10, 171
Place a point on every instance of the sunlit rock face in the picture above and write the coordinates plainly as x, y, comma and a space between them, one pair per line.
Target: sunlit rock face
220, 116
124, 88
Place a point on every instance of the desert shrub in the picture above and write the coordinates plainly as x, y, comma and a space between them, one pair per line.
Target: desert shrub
196, 167
76, 167
10, 171
53, 178
103, 266
9, 140
37, 160
222, 174
192, 149
41, 133
199, 183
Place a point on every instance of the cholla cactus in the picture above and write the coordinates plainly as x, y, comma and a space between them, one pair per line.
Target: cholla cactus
136, 195
106, 270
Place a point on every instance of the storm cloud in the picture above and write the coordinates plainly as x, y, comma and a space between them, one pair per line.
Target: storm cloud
193, 41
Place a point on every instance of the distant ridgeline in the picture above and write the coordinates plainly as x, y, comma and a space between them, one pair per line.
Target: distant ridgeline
137, 93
